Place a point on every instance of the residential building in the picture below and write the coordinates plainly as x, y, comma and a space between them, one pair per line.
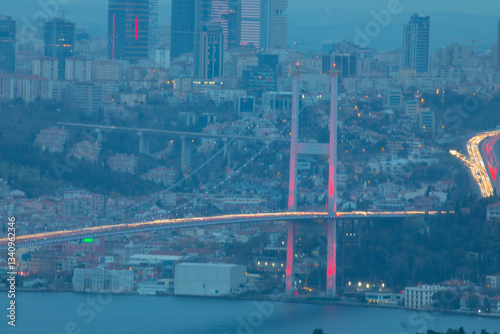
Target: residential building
78, 69
161, 174
47, 68
493, 281
394, 98
420, 297
104, 70
123, 163
86, 150
493, 212
52, 139
85, 96
426, 120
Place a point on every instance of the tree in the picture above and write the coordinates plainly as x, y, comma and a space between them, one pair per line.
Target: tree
473, 302
446, 299
486, 304
318, 331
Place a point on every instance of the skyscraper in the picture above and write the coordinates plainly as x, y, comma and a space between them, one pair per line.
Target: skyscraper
250, 22
128, 28
416, 43
234, 24
228, 14
59, 42
189, 16
153, 23
209, 49
203, 13
273, 24
7, 45
183, 27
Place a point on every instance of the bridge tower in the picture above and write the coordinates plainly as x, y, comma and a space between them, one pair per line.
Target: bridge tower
329, 149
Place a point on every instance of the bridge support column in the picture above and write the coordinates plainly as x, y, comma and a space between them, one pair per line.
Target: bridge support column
143, 143
290, 238
185, 153
99, 135
228, 151
342, 278
331, 260
359, 234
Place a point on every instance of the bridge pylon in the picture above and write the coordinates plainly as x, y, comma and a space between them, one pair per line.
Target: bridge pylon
329, 149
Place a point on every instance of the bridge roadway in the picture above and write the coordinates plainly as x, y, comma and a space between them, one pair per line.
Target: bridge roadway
40, 239
110, 128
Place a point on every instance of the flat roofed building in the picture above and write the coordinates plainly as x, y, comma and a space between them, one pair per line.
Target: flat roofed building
208, 279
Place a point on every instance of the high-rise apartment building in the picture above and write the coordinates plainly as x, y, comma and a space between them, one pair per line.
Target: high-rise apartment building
47, 68
273, 24
129, 28
209, 49
416, 43
59, 42
7, 45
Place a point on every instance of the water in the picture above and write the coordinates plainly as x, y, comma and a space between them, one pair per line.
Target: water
58, 313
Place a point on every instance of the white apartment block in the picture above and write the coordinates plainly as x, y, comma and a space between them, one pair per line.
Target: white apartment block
420, 297
78, 69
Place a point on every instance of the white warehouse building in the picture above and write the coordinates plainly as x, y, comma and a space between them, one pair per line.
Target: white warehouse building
208, 279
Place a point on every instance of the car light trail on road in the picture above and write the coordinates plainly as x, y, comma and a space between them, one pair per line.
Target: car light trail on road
475, 162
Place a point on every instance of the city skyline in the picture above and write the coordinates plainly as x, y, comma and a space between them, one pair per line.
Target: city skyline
347, 21
289, 167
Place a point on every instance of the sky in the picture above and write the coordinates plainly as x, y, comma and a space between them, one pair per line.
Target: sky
313, 22
480, 7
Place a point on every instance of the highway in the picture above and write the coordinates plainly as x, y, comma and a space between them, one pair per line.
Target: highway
156, 132
475, 161
490, 155
40, 239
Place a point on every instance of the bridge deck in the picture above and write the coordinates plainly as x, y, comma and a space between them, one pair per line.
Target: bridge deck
163, 224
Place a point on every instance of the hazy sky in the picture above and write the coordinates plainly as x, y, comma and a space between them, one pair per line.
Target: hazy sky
481, 7
315, 21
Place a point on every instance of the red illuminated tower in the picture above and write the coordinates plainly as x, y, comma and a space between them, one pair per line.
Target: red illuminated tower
308, 148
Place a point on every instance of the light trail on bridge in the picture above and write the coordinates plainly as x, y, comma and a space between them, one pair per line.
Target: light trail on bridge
475, 162
39, 239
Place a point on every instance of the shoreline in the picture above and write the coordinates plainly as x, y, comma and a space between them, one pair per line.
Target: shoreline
284, 299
